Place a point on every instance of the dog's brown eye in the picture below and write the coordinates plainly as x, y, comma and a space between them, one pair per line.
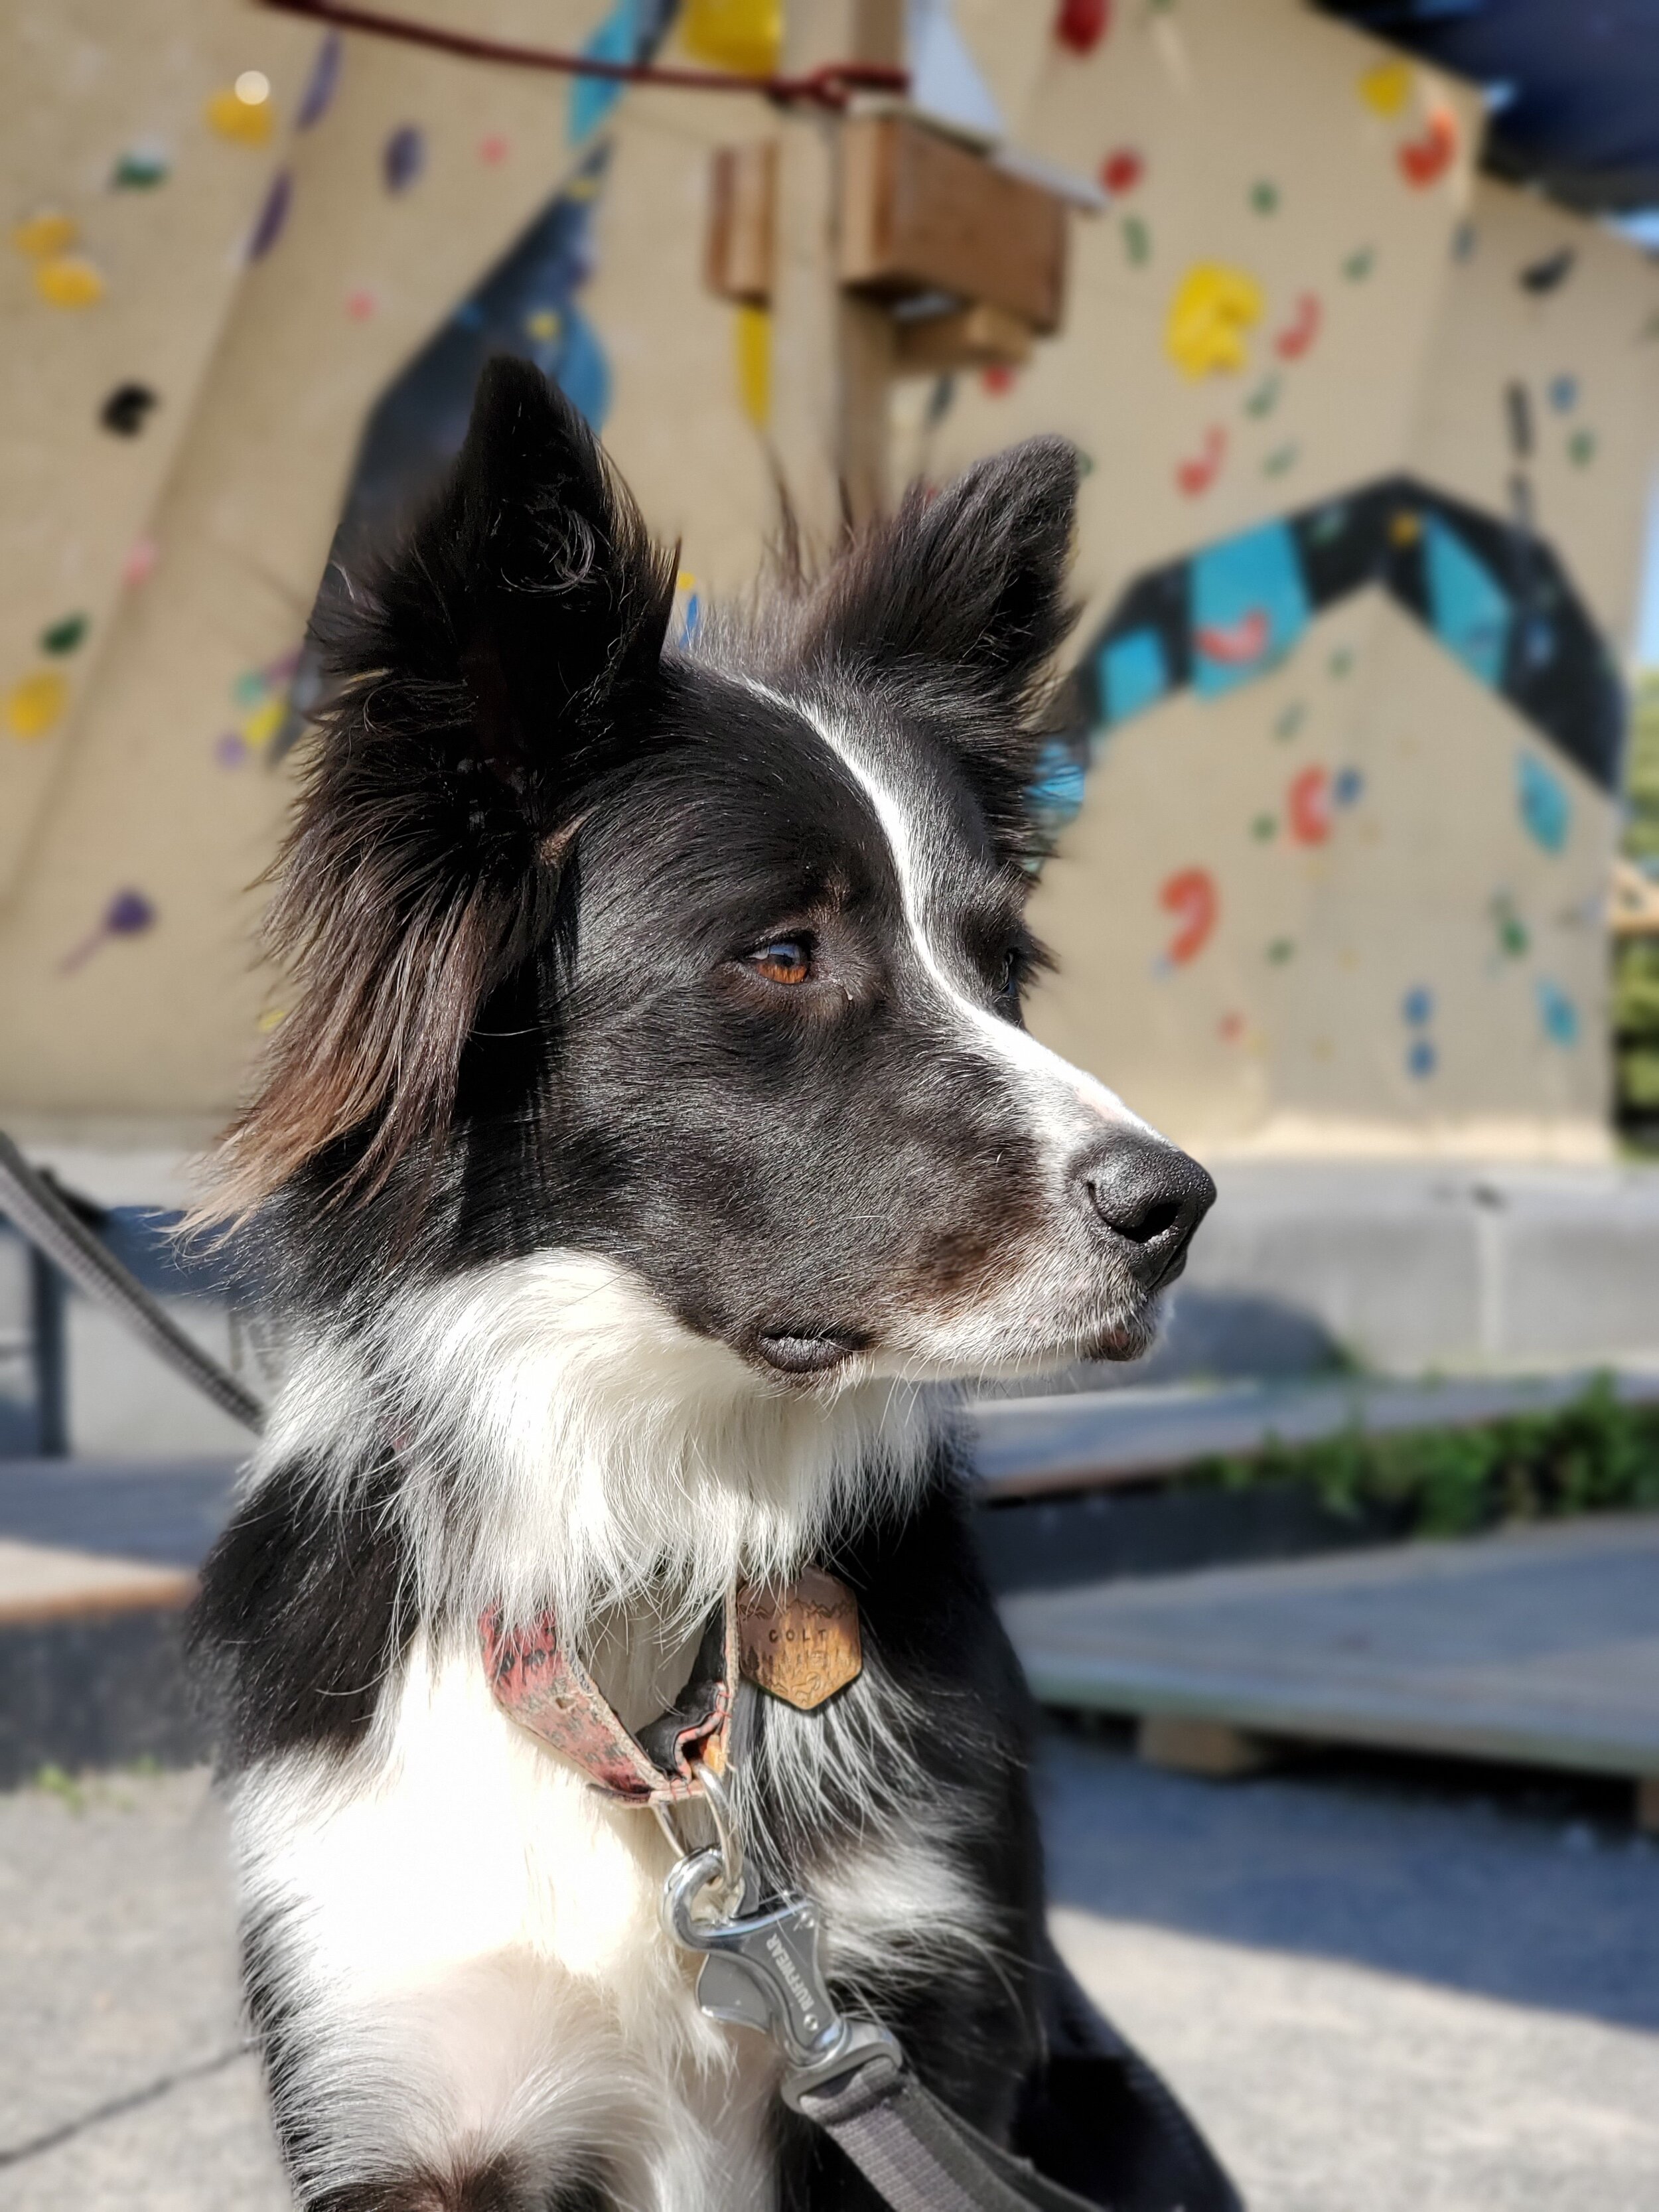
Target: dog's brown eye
784, 959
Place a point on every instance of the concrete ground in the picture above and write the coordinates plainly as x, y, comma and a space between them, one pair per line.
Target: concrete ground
1383, 1989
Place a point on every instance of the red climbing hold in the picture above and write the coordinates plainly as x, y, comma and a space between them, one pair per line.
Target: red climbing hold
1122, 170
1082, 24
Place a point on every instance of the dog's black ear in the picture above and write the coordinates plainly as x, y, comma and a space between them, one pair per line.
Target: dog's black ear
528, 602
971, 579
498, 660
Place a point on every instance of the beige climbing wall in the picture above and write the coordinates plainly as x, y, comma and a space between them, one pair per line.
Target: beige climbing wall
1353, 902
128, 992
132, 175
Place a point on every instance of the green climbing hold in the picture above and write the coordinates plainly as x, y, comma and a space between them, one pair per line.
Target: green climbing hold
1264, 827
1341, 661
1581, 448
63, 636
1291, 720
1137, 241
1359, 264
140, 169
1282, 458
1281, 950
1264, 195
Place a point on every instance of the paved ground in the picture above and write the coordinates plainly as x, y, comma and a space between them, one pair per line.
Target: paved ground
1385, 1989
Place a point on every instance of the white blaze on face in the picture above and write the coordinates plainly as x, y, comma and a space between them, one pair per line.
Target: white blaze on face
1067, 1101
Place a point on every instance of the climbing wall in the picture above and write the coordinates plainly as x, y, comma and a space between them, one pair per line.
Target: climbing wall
1366, 444
417, 212
137, 145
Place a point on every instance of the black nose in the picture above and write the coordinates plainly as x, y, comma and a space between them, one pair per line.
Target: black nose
1149, 1198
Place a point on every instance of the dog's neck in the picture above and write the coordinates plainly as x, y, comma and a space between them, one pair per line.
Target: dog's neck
565, 1442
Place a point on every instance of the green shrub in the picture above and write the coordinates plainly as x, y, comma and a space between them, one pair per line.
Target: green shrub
1591, 1456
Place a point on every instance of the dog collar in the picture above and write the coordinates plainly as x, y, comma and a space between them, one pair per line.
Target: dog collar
799, 1642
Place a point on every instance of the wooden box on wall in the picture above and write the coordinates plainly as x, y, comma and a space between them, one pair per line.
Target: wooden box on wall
919, 213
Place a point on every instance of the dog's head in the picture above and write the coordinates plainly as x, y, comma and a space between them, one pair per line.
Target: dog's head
707, 962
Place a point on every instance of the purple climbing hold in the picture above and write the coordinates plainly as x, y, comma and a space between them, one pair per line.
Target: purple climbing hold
318, 96
272, 218
403, 157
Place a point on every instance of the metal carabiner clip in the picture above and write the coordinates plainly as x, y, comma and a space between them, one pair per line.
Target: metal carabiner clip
760, 1970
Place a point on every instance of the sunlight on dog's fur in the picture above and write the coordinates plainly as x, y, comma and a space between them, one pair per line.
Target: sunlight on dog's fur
654, 1120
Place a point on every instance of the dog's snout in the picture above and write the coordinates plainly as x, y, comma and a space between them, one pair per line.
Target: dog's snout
1149, 1198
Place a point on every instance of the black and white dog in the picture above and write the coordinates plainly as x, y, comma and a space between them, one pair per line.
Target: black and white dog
652, 1123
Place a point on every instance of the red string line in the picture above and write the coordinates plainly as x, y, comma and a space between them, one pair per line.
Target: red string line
831, 85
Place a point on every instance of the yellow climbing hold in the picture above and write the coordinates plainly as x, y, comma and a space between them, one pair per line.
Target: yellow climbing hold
262, 724
1214, 306
272, 1019
754, 345
744, 36
48, 233
36, 704
243, 111
1387, 87
544, 324
68, 280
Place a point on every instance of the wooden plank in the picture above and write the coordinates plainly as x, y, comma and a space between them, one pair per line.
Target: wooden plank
742, 188
1187, 1746
1539, 1646
921, 214
41, 1582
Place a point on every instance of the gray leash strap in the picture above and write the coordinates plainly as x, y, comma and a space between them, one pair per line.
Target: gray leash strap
917, 2155
28, 1200
760, 1970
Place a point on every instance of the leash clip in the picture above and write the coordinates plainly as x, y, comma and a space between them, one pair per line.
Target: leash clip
760, 1970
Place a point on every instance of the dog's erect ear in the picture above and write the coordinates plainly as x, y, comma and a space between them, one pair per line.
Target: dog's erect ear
495, 664
971, 578
529, 599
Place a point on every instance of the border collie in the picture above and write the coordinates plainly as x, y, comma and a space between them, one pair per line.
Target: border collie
652, 1123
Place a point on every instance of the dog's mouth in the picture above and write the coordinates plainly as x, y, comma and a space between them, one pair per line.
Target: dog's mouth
805, 1351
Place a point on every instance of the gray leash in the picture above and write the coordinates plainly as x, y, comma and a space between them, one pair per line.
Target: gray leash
848, 2076
29, 1200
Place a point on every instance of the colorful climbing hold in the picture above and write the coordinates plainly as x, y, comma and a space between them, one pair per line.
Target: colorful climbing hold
230, 749
126, 408
1340, 663
1263, 400
40, 237
999, 376
1214, 305
243, 112
1281, 459
140, 168
1581, 448
1122, 170
322, 83
1308, 806
1513, 941
272, 218
493, 149
1281, 949
68, 280
1347, 787
1290, 720
1196, 475
1463, 241
544, 324
1190, 895
1230, 1028
1557, 1012
361, 303
1298, 335
1546, 806
1264, 195
745, 35
403, 157
1386, 87
65, 635
1421, 1058
1137, 241
1548, 273
1562, 392
129, 913
35, 705
752, 338
1264, 827
1425, 159
1359, 264
1080, 24
1416, 1007
140, 563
